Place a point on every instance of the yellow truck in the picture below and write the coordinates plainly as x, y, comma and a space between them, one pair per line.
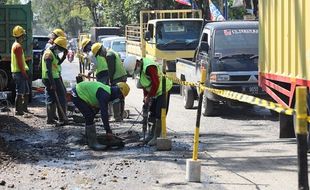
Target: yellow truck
284, 52
164, 35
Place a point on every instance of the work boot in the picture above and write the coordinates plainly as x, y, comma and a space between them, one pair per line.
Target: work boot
51, 112
25, 103
157, 132
150, 134
117, 111
92, 138
19, 105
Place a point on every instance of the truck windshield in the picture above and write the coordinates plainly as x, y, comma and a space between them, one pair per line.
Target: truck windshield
236, 41
178, 35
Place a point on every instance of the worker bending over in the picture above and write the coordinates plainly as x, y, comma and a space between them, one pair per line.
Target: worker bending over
91, 95
151, 82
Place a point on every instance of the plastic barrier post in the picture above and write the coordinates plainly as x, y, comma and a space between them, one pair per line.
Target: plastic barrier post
302, 132
193, 166
163, 143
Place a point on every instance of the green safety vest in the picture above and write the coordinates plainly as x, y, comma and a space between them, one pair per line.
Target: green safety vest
55, 68
145, 80
119, 68
87, 91
14, 65
102, 64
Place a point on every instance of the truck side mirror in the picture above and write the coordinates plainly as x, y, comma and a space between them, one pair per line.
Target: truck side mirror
147, 36
204, 46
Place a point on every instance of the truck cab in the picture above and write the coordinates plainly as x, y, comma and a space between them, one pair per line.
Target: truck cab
168, 38
229, 52
163, 35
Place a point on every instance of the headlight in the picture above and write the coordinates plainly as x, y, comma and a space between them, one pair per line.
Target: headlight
219, 77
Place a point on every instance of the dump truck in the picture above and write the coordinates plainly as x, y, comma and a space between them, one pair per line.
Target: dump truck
99, 33
284, 53
228, 50
164, 35
10, 16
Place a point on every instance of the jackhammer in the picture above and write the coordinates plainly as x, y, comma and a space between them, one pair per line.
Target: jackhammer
145, 115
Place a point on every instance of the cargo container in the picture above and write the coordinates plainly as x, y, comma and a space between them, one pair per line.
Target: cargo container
284, 49
10, 16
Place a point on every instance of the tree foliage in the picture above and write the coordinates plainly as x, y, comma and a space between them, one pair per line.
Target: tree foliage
76, 16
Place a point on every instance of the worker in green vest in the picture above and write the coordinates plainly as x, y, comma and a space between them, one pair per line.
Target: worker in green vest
117, 73
151, 81
53, 84
90, 95
19, 70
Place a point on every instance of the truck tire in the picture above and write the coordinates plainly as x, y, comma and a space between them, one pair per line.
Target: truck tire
188, 97
209, 107
286, 126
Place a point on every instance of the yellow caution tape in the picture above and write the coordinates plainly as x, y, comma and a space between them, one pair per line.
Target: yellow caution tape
240, 97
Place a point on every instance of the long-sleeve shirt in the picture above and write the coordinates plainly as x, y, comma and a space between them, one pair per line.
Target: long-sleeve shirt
151, 71
104, 98
93, 62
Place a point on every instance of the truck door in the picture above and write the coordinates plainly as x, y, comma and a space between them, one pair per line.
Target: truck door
202, 56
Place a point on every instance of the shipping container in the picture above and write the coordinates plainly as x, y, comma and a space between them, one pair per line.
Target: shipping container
284, 48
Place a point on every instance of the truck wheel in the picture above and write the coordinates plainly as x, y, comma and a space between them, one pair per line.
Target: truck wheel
188, 97
209, 107
286, 126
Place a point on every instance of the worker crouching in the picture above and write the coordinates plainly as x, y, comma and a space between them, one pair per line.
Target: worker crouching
91, 95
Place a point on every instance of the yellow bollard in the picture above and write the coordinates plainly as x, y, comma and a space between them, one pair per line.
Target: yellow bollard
196, 135
193, 166
302, 132
163, 143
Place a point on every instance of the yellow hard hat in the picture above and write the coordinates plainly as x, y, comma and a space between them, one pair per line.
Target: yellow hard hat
124, 88
61, 41
95, 48
59, 32
18, 31
85, 41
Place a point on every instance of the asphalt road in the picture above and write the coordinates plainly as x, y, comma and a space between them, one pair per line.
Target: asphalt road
239, 150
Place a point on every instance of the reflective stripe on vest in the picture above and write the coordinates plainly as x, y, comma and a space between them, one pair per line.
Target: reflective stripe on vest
87, 91
55, 69
101, 64
14, 65
145, 80
119, 67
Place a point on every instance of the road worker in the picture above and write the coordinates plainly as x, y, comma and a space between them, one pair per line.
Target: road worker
90, 95
151, 81
116, 71
53, 84
19, 70
53, 36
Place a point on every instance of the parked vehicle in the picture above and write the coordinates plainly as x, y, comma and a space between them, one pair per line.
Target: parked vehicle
14, 15
39, 43
164, 35
118, 44
98, 33
284, 55
229, 52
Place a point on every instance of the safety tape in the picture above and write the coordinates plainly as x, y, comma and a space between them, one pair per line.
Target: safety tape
240, 97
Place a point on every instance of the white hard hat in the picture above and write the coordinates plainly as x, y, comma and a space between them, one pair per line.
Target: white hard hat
130, 64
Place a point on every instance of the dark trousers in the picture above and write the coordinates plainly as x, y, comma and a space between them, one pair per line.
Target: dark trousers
156, 105
86, 110
50, 94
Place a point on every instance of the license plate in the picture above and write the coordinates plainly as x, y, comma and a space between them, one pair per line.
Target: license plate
251, 89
